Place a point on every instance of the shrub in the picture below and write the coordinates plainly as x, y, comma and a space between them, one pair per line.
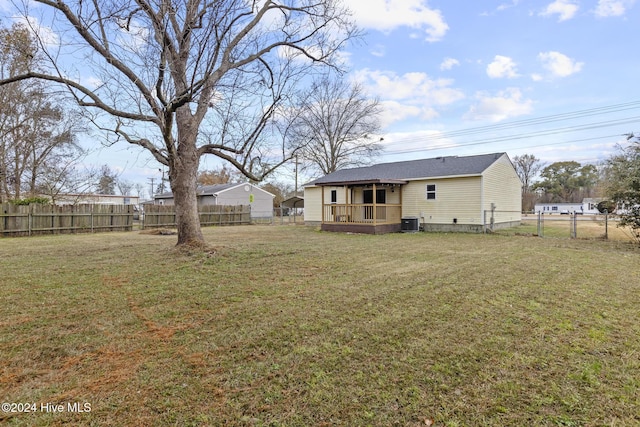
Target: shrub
31, 200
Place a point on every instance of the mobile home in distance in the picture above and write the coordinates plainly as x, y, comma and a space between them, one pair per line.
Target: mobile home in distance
586, 207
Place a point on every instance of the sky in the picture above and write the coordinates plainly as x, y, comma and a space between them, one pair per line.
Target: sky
556, 79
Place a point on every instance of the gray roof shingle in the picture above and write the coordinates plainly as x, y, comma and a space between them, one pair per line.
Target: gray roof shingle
413, 169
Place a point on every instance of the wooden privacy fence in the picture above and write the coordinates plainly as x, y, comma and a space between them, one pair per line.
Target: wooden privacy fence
165, 216
36, 219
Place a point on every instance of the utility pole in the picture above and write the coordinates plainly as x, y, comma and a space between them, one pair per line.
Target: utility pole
152, 187
296, 191
162, 188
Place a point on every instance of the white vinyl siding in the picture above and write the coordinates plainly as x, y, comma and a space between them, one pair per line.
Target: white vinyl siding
503, 188
457, 198
313, 204
313, 201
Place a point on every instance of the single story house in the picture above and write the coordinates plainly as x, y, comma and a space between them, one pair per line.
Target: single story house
261, 201
587, 207
451, 193
95, 199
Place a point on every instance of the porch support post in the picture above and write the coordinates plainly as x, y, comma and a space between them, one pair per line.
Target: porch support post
374, 205
322, 189
346, 213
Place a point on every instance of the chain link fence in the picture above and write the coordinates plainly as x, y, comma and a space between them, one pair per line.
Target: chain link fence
573, 226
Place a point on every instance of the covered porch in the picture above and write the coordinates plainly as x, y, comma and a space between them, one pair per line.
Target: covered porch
371, 206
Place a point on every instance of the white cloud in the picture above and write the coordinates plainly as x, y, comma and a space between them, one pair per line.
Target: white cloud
379, 51
502, 67
44, 33
341, 58
132, 35
607, 8
411, 95
559, 65
415, 86
565, 9
91, 82
449, 63
387, 15
429, 139
505, 6
502, 7
394, 111
506, 104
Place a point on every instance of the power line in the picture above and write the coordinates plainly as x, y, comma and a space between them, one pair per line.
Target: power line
524, 123
556, 131
416, 150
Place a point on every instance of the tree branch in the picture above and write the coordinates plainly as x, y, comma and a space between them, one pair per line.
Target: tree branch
97, 102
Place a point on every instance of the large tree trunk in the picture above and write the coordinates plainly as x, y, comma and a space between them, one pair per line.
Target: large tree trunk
183, 185
183, 173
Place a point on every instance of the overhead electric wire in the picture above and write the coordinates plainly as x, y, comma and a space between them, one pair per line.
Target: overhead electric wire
519, 124
480, 143
533, 121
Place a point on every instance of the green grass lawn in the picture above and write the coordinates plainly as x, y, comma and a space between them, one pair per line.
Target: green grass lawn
288, 326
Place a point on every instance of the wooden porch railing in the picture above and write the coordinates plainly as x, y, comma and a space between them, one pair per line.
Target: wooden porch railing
362, 213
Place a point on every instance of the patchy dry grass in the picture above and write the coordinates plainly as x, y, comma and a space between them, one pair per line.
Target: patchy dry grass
287, 326
561, 226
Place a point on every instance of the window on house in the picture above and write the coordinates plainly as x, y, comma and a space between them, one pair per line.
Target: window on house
431, 192
381, 196
334, 196
555, 208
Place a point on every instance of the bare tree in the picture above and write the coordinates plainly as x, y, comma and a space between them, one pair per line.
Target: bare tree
337, 125
527, 167
124, 186
623, 185
65, 177
34, 126
140, 190
183, 79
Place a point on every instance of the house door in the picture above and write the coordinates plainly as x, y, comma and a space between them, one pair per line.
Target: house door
367, 199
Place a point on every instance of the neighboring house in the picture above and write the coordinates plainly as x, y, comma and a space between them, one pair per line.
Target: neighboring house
261, 201
103, 199
439, 194
588, 206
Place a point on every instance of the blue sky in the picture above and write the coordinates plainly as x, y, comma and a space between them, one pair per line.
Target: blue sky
493, 72
557, 79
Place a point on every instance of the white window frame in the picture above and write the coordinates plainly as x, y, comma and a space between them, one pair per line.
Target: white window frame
428, 192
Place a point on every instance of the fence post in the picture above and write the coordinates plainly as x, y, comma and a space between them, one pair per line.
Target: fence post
493, 215
484, 222
540, 227
573, 222
606, 224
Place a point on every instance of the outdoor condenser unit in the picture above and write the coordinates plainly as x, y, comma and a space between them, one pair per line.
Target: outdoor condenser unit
410, 224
